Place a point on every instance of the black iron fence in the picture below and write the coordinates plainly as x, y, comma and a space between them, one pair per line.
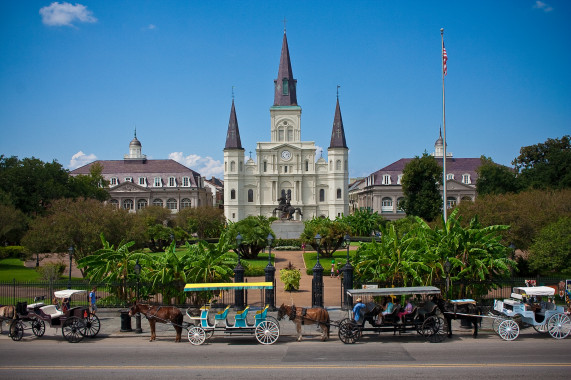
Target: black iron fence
120, 295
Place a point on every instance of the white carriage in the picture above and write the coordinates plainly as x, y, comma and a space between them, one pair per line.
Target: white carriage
535, 307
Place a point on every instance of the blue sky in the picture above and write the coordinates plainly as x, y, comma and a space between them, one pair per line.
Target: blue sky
75, 79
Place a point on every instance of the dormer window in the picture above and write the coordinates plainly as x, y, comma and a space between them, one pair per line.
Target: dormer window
128, 179
449, 176
285, 87
386, 179
157, 182
114, 181
172, 181
185, 181
466, 179
399, 179
142, 181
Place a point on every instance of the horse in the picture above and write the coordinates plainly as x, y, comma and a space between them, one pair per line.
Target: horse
7, 313
286, 209
302, 316
161, 314
451, 311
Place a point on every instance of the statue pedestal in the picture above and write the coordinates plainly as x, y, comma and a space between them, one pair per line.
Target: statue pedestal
287, 229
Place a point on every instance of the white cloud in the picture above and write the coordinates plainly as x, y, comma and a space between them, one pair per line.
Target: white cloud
79, 159
543, 6
151, 27
206, 166
65, 14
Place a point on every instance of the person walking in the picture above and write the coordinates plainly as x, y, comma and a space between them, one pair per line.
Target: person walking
92, 301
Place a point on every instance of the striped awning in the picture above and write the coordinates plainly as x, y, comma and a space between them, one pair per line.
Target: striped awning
228, 286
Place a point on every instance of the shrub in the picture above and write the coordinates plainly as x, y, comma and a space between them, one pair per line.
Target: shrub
51, 271
13, 251
290, 276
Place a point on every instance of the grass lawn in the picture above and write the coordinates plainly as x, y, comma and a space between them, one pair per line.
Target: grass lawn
340, 257
256, 266
11, 269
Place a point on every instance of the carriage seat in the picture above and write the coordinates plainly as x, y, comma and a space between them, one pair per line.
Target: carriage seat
222, 315
52, 311
427, 309
240, 318
261, 315
36, 305
517, 296
412, 315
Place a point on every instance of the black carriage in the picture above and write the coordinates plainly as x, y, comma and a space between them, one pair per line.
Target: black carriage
425, 318
75, 322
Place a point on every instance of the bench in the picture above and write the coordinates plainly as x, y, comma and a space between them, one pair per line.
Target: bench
261, 315
222, 316
52, 311
240, 318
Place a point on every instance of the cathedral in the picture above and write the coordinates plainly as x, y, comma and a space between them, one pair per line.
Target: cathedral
287, 170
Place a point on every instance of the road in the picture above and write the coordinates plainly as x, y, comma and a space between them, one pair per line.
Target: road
132, 356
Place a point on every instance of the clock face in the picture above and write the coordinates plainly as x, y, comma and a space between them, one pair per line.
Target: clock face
286, 155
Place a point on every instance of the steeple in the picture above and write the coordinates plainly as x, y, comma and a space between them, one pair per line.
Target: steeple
135, 150
285, 84
338, 132
233, 135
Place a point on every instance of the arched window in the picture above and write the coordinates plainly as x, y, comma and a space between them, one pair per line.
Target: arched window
467, 198
250, 195
449, 176
285, 87
338, 193
232, 194
114, 202
386, 205
330, 165
240, 165
185, 203
265, 166
321, 195
171, 204
158, 202
141, 204
128, 204
451, 202
306, 165
466, 179
338, 165
232, 166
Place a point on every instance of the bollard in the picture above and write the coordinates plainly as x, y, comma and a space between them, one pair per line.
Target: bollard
125, 322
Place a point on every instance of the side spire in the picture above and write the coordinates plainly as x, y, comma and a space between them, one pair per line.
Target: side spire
285, 84
338, 132
233, 136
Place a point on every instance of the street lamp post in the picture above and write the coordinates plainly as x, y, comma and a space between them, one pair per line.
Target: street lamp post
317, 281
138, 329
347, 276
239, 276
270, 272
37, 259
70, 250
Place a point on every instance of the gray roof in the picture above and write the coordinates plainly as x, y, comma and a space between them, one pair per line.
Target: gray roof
338, 132
456, 166
285, 72
233, 135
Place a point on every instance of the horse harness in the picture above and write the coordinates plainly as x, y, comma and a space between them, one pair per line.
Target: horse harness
293, 314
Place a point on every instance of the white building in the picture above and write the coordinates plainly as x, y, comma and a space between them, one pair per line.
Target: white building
285, 165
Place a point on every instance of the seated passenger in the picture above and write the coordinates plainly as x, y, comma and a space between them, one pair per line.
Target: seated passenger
388, 308
407, 310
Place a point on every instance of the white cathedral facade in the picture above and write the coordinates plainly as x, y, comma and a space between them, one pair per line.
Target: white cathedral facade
286, 166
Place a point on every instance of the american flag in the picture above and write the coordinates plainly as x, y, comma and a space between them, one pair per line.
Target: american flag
444, 59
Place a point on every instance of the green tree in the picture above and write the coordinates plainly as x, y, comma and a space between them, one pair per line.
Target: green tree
254, 231
211, 262
13, 225
92, 185
496, 179
546, 165
153, 226
420, 181
204, 221
167, 272
551, 251
363, 222
332, 234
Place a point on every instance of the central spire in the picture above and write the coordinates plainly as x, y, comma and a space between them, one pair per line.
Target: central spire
285, 84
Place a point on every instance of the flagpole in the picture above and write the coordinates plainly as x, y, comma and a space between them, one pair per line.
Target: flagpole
443, 130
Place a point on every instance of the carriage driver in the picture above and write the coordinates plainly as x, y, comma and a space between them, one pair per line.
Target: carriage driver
357, 309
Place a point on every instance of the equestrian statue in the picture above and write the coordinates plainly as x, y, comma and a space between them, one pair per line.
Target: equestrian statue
286, 209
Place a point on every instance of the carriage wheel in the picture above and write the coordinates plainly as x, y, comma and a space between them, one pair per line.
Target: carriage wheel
496, 324
543, 329
508, 329
348, 332
92, 326
38, 327
16, 330
559, 326
267, 332
434, 329
196, 335
72, 329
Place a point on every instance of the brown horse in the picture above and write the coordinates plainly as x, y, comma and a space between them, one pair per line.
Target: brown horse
7, 314
161, 314
302, 316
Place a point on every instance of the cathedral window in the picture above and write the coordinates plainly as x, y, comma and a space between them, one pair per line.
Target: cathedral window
321, 195
338, 165
185, 203
285, 87
128, 204
232, 166
265, 166
281, 135
306, 165
330, 165
232, 194
338, 193
240, 165
289, 135
171, 204
250, 195
141, 204
386, 205
158, 202
285, 168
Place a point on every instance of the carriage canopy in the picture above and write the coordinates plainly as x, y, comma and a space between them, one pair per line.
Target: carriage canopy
535, 290
393, 291
67, 293
228, 286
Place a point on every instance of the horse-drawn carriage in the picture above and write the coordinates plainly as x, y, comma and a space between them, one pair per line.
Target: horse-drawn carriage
425, 318
265, 328
527, 306
75, 322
